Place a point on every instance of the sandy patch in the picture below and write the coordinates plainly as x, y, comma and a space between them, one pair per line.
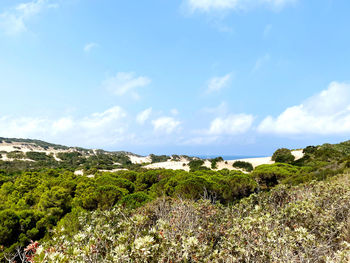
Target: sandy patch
114, 170
173, 165
79, 172
139, 160
298, 154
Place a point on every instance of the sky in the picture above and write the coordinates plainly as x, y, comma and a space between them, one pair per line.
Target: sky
209, 77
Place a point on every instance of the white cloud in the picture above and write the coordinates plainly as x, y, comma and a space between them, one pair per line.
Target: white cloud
23, 127
165, 124
218, 83
96, 129
101, 120
326, 113
125, 82
89, 46
13, 21
231, 125
62, 125
220, 5
260, 62
143, 116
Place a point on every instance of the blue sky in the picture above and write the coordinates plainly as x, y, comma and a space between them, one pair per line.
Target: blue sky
190, 76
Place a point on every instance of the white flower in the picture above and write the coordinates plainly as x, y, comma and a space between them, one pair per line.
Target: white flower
143, 242
80, 237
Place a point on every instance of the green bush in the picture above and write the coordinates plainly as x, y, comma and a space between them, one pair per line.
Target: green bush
159, 158
215, 161
135, 200
196, 165
243, 165
16, 155
269, 175
283, 155
38, 156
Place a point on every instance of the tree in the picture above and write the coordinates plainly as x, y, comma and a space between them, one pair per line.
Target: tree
283, 155
9, 227
243, 165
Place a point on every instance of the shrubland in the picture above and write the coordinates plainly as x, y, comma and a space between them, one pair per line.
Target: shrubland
295, 211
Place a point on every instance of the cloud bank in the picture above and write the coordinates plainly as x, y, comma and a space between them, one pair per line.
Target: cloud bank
325, 113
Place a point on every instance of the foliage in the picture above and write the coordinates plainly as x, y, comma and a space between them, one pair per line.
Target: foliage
270, 175
165, 215
44, 198
283, 155
196, 165
159, 158
214, 162
309, 223
15, 155
243, 165
39, 156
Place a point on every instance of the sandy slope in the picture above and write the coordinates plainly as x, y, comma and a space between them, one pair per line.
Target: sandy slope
175, 165
169, 165
139, 160
30, 147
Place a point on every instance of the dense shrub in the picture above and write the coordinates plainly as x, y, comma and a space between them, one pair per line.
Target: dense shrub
196, 165
16, 155
135, 200
159, 158
269, 175
38, 156
243, 165
214, 162
283, 155
300, 224
34, 199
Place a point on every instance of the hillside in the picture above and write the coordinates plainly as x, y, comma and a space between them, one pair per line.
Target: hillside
295, 208
22, 154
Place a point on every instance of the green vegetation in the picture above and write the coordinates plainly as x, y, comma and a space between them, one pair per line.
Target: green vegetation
215, 161
196, 165
32, 203
283, 155
243, 165
159, 158
290, 211
309, 223
42, 144
15, 155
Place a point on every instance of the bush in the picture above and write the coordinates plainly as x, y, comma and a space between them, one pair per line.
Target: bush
309, 223
215, 161
159, 158
196, 165
135, 200
269, 175
309, 149
283, 155
243, 165
15, 155
38, 156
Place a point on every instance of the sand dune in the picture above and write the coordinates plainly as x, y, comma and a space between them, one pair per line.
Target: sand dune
179, 165
139, 159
